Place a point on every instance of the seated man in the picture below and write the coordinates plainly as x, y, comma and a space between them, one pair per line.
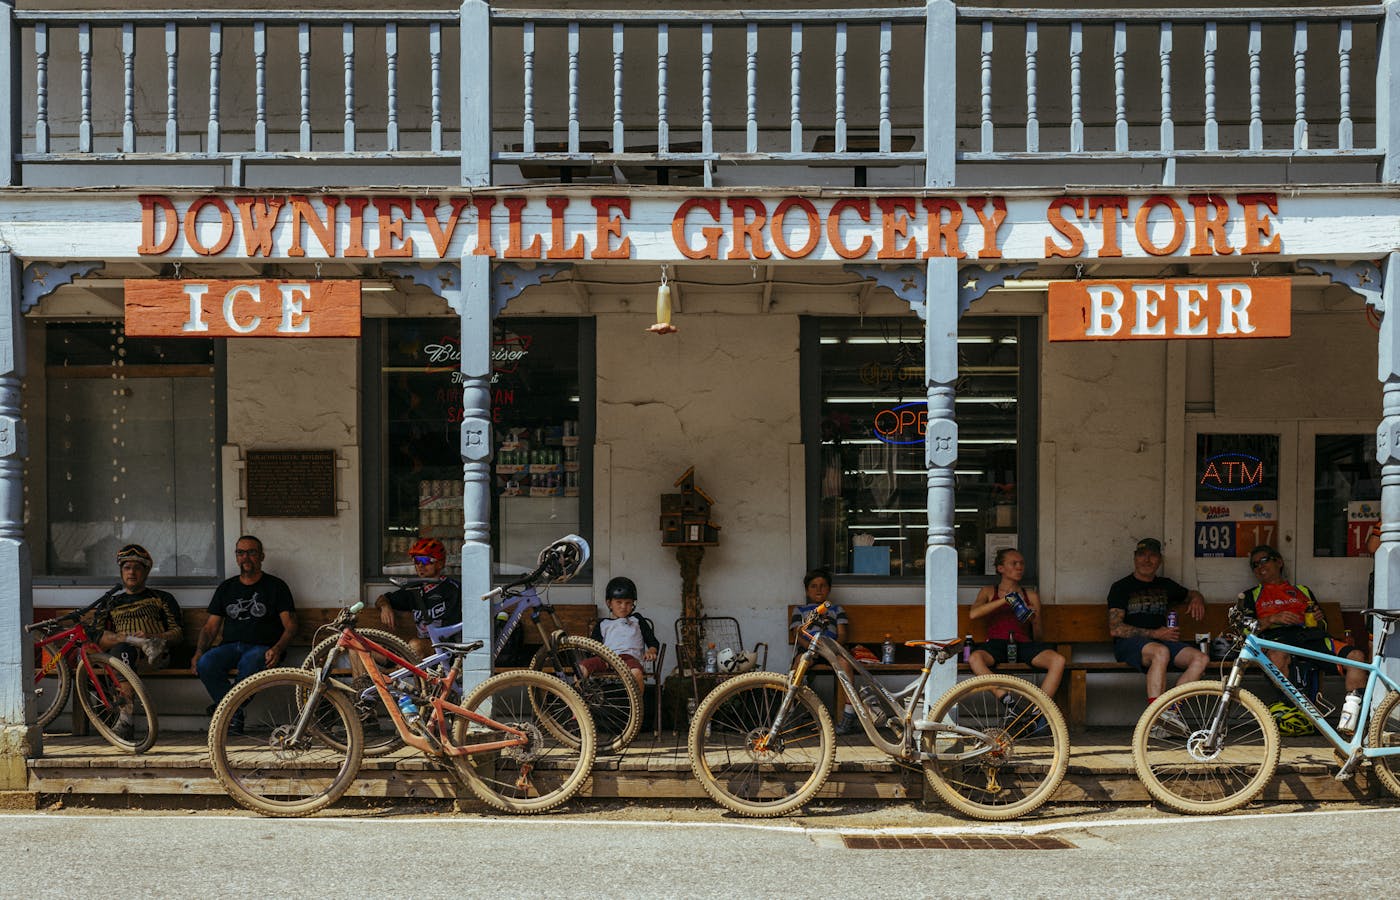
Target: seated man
1137, 620
1290, 614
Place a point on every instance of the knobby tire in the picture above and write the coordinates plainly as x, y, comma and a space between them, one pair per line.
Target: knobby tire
120, 691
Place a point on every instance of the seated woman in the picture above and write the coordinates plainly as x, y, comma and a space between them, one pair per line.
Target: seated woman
1013, 611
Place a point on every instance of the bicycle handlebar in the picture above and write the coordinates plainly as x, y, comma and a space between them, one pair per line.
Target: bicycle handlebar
560, 561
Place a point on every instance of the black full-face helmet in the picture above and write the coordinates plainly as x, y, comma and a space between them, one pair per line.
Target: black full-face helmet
621, 587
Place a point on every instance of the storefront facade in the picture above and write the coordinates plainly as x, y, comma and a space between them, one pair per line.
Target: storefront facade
866, 374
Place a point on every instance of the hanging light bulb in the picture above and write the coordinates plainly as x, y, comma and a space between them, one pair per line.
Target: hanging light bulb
663, 308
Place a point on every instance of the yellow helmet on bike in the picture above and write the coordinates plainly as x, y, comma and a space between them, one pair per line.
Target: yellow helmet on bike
1291, 720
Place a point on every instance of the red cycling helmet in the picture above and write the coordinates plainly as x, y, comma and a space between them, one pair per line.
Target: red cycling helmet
428, 547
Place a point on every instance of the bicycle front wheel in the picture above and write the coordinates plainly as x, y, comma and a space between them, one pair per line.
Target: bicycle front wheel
611, 692
543, 771
1018, 765
260, 763
1385, 732
116, 703
380, 733
53, 683
1180, 768
740, 765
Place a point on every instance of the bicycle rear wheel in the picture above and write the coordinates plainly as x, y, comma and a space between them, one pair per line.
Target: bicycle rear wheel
1385, 732
738, 765
1020, 767
541, 773
1182, 773
613, 697
380, 734
116, 703
53, 683
258, 762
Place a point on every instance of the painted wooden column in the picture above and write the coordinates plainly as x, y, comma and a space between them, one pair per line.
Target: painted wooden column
475, 309
940, 114
18, 739
475, 65
1388, 93
1387, 560
9, 89
940, 452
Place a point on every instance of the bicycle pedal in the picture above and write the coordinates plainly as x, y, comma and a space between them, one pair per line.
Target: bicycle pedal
1349, 767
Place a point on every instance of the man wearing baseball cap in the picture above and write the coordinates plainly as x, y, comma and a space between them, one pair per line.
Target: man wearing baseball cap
1137, 620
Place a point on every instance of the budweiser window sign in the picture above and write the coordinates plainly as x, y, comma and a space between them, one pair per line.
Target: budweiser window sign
1168, 309
251, 308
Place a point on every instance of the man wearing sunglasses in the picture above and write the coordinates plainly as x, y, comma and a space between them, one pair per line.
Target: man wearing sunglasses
1137, 620
432, 605
1290, 614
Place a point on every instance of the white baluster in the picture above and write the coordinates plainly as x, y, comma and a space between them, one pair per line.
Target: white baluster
1256, 102
391, 61
1032, 88
795, 90
216, 55
1076, 112
1300, 83
618, 135
1344, 127
663, 126
1212, 135
128, 87
304, 66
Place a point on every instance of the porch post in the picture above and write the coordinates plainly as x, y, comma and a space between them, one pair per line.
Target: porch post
1388, 94
1388, 446
475, 66
18, 738
474, 308
9, 90
940, 452
940, 112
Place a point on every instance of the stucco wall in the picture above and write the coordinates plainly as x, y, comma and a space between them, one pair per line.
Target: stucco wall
722, 395
301, 395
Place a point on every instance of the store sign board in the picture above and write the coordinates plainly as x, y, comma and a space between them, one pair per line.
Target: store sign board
250, 308
1188, 308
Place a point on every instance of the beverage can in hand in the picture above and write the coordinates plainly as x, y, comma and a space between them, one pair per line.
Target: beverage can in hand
1171, 620
1018, 605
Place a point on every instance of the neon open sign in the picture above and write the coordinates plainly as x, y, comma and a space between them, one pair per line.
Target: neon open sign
1233, 472
903, 424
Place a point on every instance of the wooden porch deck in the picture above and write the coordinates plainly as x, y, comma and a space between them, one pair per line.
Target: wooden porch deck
1100, 771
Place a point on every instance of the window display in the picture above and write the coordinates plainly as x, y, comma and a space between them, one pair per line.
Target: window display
1236, 493
872, 486
129, 452
537, 465
1346, 493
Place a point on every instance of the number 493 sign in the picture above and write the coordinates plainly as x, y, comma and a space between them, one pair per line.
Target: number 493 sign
1233, 529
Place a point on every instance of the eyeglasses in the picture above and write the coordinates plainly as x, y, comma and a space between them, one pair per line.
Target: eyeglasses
1256, 563
423, 560
253, 552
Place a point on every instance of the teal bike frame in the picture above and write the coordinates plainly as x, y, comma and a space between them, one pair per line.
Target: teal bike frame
1253, 651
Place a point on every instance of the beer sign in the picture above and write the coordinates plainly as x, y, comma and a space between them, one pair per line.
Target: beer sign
1170, 309
252, 308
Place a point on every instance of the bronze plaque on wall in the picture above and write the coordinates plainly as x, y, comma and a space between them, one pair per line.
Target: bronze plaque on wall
291, 484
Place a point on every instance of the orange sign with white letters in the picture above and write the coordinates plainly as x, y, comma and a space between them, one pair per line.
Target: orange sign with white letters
1178, 308
252, 308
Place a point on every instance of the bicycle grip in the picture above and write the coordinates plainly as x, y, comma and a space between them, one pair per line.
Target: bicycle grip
356, 607
494, 594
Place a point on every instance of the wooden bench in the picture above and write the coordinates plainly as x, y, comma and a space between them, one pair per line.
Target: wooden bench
1079, 631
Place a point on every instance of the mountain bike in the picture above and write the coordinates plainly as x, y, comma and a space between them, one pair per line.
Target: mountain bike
1224, 749
109, 692
612, 694
993, 747
289, 742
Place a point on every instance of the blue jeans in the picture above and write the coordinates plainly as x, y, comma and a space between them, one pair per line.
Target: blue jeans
215, 662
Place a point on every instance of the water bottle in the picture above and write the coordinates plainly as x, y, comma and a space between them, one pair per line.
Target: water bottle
711, 660
887, 652
967, 649
408, 708
872, 703
1011, 648
1347, 723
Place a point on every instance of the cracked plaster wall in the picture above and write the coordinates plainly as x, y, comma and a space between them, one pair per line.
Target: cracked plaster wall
721, 395
301, 395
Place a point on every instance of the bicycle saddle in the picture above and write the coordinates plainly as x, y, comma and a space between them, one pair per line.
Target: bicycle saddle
458, 648
1389, 615
937, 645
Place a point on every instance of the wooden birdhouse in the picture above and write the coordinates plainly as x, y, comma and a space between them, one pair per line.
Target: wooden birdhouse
685, 517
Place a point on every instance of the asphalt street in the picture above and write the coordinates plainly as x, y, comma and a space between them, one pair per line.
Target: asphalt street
678, 850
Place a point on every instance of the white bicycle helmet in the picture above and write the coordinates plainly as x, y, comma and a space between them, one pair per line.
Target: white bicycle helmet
564, 558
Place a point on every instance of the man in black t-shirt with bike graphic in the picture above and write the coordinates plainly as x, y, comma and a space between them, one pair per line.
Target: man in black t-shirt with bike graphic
258, 618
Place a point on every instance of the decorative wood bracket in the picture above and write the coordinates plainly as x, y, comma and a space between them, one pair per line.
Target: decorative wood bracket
443, 279
1362, 276
975, 281
910, 283
42, 278
509, 280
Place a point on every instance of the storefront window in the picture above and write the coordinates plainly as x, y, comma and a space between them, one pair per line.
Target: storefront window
872, 487
130, 452
1346, 494
535, 404
1237, 477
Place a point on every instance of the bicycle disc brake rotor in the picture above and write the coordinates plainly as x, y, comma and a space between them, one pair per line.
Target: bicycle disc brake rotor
760, 747
1199, 749
280, 742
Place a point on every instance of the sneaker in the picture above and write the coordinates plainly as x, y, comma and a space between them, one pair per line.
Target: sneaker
847, 725
125, 729
235, 726
1171, 720
1013, 706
